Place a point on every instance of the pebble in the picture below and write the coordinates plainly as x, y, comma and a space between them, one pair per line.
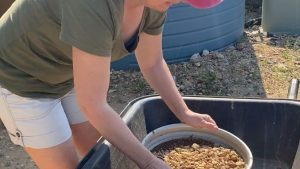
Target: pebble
111, 90
258, 39
262, 31
195, 57
220, 56
198, 64
182, 87
231, 48
188, 84
239, 46
254, 33
205, 52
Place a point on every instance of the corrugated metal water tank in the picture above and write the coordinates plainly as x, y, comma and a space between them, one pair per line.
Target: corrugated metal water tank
281, 16
188, 30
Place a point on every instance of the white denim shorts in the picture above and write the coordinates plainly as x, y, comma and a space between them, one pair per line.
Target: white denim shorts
39, 123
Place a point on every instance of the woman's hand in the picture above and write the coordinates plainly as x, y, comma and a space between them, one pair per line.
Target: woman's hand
199, 120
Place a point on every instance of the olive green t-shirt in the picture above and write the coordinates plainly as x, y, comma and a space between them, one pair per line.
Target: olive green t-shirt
36, 37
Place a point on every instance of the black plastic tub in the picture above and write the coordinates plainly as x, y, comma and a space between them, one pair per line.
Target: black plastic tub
270, 128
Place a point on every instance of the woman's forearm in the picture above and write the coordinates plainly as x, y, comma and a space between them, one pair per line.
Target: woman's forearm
160, 79
111, 126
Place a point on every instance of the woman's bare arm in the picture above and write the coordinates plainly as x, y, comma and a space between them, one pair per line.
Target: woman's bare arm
91, 79
156, 72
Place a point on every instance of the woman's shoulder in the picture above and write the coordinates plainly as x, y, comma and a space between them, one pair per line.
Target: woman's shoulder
154, 21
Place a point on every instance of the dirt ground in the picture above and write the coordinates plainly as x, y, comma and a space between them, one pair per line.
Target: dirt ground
256, 66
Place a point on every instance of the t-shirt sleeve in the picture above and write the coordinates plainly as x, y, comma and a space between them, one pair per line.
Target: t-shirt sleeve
87, 25
154, 22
